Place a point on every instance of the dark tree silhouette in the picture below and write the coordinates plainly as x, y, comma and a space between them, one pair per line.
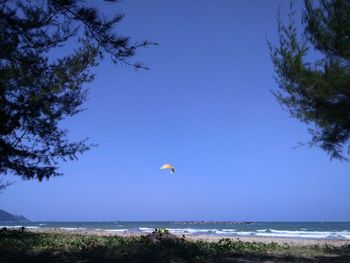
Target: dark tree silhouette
37, 89
313, 72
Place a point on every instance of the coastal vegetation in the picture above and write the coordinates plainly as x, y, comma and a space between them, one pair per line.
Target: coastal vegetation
160, 246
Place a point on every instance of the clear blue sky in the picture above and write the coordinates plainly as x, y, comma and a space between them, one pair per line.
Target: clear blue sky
205, 107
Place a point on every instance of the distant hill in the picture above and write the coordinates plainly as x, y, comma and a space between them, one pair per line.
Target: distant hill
5, 216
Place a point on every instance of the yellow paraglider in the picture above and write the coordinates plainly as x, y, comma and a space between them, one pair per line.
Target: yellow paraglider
168, 166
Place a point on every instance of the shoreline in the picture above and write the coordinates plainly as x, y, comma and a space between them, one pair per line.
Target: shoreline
207, 238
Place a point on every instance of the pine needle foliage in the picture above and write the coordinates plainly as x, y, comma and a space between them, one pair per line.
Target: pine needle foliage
313, 72
39, 86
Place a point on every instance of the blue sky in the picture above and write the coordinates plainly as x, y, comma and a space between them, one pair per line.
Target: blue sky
206, 107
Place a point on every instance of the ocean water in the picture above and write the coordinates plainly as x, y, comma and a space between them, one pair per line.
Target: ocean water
307, 230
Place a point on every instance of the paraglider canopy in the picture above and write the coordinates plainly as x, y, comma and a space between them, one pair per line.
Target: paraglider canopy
168, 166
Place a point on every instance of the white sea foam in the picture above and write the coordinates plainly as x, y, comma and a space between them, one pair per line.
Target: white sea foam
178, 230
73, 228
146, 229
226, 233
192, 231
229, 230
115, 230
347, 236
305, 234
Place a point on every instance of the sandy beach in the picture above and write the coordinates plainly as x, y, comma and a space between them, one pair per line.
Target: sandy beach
280, 241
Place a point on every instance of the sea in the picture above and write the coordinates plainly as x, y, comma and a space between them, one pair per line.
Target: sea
304, 230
